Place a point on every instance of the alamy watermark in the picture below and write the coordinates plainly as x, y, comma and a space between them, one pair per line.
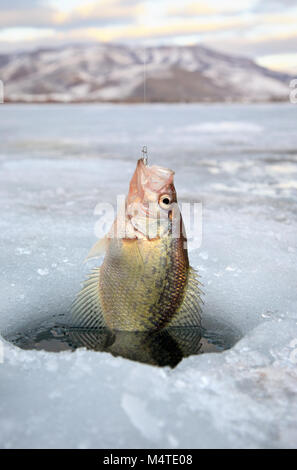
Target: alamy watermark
149, 221
293, 91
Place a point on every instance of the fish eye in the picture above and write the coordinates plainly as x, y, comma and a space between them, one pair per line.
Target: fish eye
165, 201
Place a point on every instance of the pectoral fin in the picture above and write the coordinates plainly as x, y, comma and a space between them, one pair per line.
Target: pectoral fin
98, 249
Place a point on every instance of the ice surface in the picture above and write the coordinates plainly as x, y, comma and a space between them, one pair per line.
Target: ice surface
57, 163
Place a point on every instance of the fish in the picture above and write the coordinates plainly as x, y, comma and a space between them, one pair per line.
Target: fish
145, 282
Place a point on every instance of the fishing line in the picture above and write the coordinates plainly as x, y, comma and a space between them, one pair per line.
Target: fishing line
144, 148
144, 75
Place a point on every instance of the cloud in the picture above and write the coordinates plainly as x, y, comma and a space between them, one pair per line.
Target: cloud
32, 13
268, 5
19, 4
12, 35
254, 28
191, 9
100, 13
267, 44
281, 62
38, 17
161, 30
38, 13
211, 7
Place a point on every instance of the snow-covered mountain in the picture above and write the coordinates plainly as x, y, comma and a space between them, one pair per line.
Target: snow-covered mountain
115, 73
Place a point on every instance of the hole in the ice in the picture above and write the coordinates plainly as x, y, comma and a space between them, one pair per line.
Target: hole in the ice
164, 348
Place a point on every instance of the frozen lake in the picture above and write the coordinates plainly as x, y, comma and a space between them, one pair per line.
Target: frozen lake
240, 161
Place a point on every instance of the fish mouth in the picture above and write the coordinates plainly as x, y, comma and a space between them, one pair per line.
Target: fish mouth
148, 179
142, 202
157, 170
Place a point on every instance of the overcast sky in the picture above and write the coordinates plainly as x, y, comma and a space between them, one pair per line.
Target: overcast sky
265, 30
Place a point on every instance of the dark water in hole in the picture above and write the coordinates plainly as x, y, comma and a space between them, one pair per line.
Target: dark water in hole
164, 348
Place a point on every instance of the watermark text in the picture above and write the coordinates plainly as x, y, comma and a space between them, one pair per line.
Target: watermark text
150, 221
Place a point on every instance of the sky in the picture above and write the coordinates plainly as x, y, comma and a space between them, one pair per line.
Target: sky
265, 30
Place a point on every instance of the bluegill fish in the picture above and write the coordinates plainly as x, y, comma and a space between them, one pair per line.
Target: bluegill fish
145, 281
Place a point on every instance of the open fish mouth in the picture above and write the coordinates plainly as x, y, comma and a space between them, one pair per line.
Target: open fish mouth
150, 179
